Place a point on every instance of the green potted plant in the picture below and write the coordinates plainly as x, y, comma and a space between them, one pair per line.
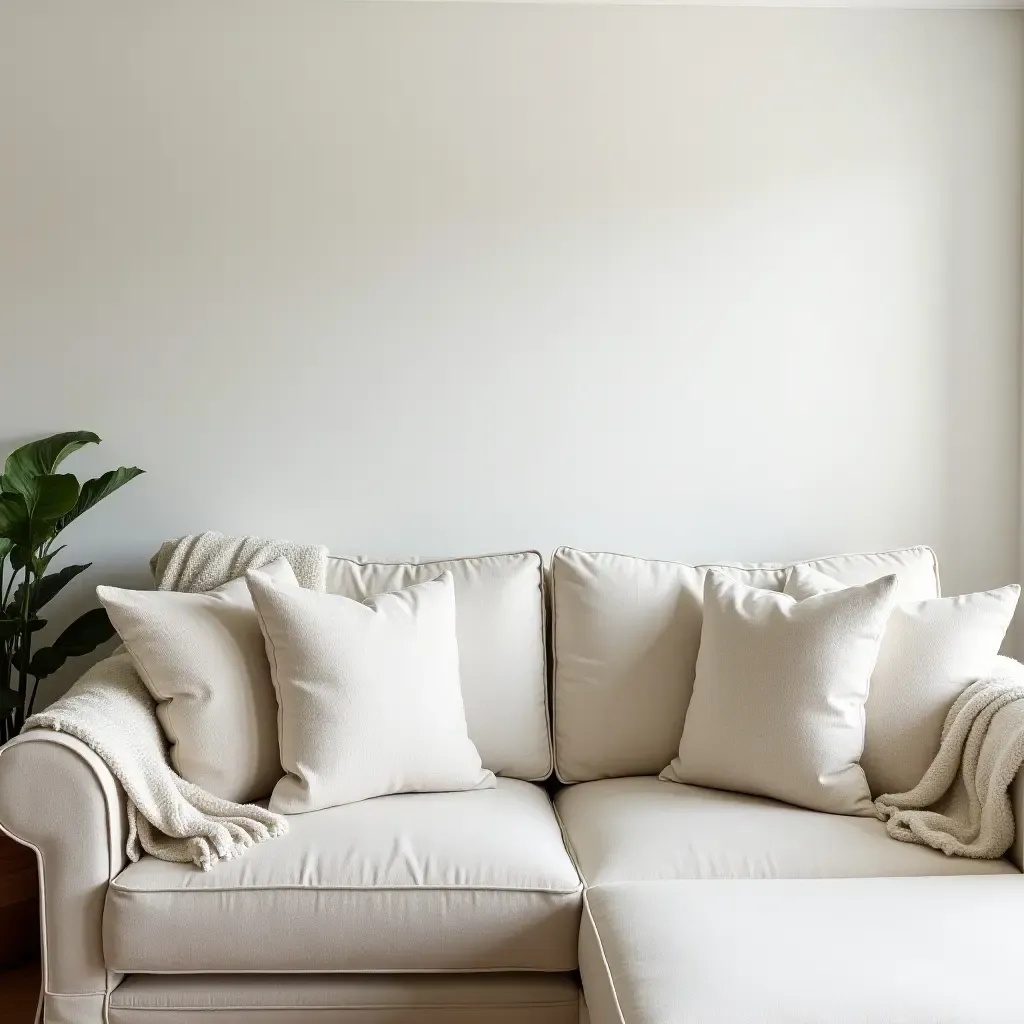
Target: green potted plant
36, 505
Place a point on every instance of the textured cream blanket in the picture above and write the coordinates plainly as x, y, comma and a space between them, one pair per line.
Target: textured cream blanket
962, 805
110, 710
203, 561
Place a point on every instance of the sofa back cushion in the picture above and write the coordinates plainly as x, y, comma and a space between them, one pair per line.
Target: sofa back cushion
499, 615
626, 632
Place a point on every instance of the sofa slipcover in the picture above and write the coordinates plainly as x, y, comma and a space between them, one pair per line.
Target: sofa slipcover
845, 951
625, 635
346, 999
59, 798
500, 622
474, 881
643, 829
466, 907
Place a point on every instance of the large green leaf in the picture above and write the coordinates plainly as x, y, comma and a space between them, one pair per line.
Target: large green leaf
50, 497
9, 628
94, 491
84, 635
26, 531
40, 458
45, 588
18, 527
5, 547
18, 556
13, 516
40, 563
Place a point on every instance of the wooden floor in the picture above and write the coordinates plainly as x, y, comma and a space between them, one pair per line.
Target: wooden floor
19, 933
19, 993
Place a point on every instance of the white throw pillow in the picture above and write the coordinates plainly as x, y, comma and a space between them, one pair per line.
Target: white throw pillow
368, 693
778, 700
931, 651
203, 659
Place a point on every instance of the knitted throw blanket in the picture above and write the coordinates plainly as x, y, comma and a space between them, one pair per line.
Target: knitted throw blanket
204, 561
111, 711
962, 805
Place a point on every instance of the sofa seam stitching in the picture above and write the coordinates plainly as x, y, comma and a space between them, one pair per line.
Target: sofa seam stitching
347, 888
569, 848
348, 971
604, 959
754, 565
259, 1007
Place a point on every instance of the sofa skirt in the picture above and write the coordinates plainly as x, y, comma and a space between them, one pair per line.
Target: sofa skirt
522, 998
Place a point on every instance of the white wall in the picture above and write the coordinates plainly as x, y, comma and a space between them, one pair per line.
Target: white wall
450, 278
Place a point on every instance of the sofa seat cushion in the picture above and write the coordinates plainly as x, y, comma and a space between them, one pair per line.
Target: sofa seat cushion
346, 999
846, 951
643, 829
473, 881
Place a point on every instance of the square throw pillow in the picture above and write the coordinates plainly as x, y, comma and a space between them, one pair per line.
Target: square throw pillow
778, 699
369, 696
931, 652
203, 659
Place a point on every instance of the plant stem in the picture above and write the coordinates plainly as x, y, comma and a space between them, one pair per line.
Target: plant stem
26, 648
32, 699
10, 587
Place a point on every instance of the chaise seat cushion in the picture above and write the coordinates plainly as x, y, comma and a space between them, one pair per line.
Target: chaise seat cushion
643, 829
470, 881
805, 951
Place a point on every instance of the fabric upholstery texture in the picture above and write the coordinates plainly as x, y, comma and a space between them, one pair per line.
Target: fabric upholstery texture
931, 652
489, 998
645, 830
369, 696
845, 951
500, 614
203, 659
415, 882
59, 797
625, 637
778, 700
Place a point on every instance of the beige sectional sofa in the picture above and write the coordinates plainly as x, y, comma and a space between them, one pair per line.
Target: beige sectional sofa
671, 903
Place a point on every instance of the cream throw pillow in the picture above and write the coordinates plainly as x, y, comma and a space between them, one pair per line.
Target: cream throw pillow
203, 659
369, 696
931, 651
778, 700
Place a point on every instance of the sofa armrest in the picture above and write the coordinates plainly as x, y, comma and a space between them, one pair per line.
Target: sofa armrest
60, 799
